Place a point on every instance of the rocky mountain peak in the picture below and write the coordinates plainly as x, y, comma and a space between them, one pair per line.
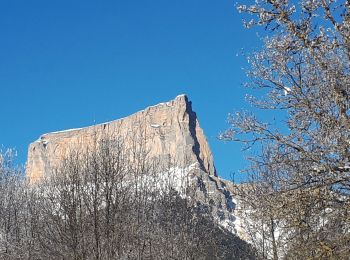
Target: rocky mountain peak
172, 129
166, 130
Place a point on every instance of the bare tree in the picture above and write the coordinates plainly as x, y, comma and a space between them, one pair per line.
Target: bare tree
302, 72
113, 200
16, 218
110, 198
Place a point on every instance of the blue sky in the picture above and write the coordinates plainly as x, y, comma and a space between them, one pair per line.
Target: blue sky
67, 64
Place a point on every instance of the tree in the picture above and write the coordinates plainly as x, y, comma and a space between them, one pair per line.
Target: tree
110, 199
16, 216
302, 70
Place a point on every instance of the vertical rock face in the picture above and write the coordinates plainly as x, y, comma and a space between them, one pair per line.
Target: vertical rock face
168, 129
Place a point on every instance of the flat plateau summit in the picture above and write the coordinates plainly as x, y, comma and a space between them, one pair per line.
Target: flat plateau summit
166, 130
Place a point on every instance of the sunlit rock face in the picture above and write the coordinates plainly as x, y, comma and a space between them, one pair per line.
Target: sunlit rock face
169, 128
166, 130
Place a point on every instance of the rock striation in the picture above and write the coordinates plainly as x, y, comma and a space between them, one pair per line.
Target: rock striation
169, 129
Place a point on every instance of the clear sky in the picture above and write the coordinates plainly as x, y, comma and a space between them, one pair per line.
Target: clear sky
67, 64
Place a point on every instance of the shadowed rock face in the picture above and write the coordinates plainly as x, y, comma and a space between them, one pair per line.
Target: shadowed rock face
172, 129
168, 129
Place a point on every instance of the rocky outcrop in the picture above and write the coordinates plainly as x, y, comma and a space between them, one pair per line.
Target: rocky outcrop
168, 129
172, 128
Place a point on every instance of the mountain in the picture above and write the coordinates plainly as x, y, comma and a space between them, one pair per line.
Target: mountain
167, 130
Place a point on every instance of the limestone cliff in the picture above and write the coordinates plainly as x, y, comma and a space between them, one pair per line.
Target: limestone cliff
170, 129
